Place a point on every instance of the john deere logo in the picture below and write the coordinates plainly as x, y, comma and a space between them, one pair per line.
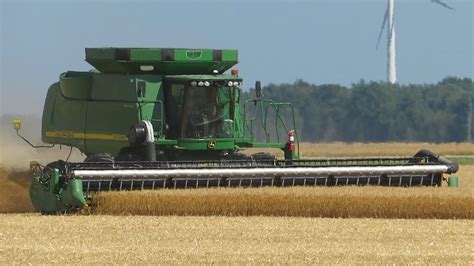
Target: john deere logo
211, 144
193, 55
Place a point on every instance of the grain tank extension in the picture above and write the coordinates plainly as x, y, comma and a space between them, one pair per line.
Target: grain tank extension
149, 118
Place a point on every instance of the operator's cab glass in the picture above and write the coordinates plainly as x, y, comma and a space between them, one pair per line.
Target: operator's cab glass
199, 112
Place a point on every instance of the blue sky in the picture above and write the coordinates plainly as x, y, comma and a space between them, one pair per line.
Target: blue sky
279, 41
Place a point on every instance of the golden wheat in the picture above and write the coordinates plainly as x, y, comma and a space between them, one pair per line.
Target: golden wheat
36, 239
381, 202
14, 192
343, 149
305, 202
325, 202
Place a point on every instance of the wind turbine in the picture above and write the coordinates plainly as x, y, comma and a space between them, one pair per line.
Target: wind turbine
389, 21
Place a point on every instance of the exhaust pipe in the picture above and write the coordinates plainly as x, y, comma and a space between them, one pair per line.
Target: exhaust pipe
143, 134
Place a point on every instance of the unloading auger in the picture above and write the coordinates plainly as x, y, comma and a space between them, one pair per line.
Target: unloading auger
152, 118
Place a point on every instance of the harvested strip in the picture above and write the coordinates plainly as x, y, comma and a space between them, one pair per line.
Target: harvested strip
345, 202
36, 239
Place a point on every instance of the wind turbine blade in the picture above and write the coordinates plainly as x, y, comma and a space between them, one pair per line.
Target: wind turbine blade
442, 4
385, 19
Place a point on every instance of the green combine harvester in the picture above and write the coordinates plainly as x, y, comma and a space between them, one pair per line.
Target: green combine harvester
151, 118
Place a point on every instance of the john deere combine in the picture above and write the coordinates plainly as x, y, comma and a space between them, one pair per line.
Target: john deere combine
171, 118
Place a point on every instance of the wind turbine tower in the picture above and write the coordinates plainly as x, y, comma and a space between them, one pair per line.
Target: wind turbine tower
391, 52
389, 21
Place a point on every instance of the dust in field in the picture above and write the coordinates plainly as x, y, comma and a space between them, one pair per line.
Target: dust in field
346, 202
232, 240
15, 156
15, 176
14, 192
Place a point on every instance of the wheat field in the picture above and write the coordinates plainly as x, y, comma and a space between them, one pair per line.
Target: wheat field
342, 149
334, 202
378, 202
346, 202
245, 226
31, 238
14, 191
381, 202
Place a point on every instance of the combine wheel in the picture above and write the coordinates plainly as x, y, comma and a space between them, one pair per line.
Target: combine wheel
426, 153
100, 157
263, 158
237, 156
49, 169
131, 154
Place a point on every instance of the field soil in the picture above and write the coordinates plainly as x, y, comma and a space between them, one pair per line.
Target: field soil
31, 238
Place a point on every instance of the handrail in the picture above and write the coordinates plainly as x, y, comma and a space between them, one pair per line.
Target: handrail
265, 106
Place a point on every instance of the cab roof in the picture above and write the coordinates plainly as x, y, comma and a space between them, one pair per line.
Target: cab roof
163, 61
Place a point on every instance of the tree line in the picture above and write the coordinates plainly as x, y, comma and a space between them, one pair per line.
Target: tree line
378, 111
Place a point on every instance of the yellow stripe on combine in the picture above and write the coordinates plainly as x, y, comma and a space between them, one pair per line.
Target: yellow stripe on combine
82, 135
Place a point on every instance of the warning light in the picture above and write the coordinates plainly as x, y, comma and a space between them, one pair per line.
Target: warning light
291, 140
234, 72
17, 124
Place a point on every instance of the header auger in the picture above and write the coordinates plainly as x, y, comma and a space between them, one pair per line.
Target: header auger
152, 118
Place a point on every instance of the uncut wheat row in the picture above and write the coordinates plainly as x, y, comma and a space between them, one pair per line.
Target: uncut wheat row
344, 149
344, 202
360, 202
377, 202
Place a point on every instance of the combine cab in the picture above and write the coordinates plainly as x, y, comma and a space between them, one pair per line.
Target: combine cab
171, 118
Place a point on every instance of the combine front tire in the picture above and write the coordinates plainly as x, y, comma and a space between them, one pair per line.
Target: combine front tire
100, 157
